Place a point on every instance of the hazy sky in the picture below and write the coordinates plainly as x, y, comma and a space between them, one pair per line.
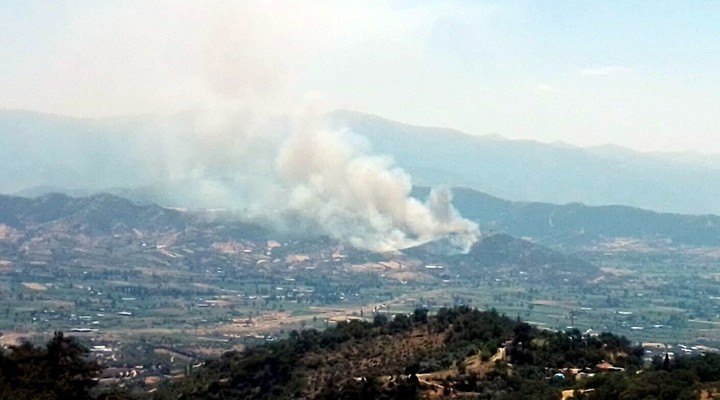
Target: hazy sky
642, 74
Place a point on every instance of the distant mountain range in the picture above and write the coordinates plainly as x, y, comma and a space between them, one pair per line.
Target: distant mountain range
59, 224
572, 225
97, 214
61, 153
39, 150
533, 171
576, 224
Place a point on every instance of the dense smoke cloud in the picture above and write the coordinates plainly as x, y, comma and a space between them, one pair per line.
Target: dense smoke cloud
258, 147
359, 197
239, 153
294, 173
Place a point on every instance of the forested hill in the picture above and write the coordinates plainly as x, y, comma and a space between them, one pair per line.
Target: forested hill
457, 353
578, 224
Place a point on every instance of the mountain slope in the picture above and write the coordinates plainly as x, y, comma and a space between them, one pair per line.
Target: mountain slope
57, 222
458, 353
97, 213
507, 257
65, 152
577, 223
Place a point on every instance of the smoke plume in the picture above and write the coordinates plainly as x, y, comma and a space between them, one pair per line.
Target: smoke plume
296, 174
359, 197
258, 147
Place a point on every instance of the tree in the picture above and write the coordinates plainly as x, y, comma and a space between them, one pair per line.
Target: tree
420, 315
58, 371
380, 320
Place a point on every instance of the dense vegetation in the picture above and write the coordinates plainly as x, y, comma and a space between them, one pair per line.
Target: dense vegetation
57, 371
417, 356
459, 353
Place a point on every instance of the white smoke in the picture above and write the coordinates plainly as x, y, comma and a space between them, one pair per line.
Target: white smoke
256, 147
297, 174
362, 198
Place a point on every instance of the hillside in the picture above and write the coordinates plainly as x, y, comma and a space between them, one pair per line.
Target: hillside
56, 223
65, 152
460, 353
572, 225
100, 213
579, 224
507, 256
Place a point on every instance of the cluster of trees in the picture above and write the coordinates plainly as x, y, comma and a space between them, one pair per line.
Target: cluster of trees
284, 369
680, 379
398, 388
571, 349
272, 371
59, 370
296, 367
535, 355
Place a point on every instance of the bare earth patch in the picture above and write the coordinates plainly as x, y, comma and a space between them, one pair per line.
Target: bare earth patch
35, 286
13, 338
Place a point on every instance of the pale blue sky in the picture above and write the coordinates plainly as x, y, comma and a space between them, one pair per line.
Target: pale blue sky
642, 74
